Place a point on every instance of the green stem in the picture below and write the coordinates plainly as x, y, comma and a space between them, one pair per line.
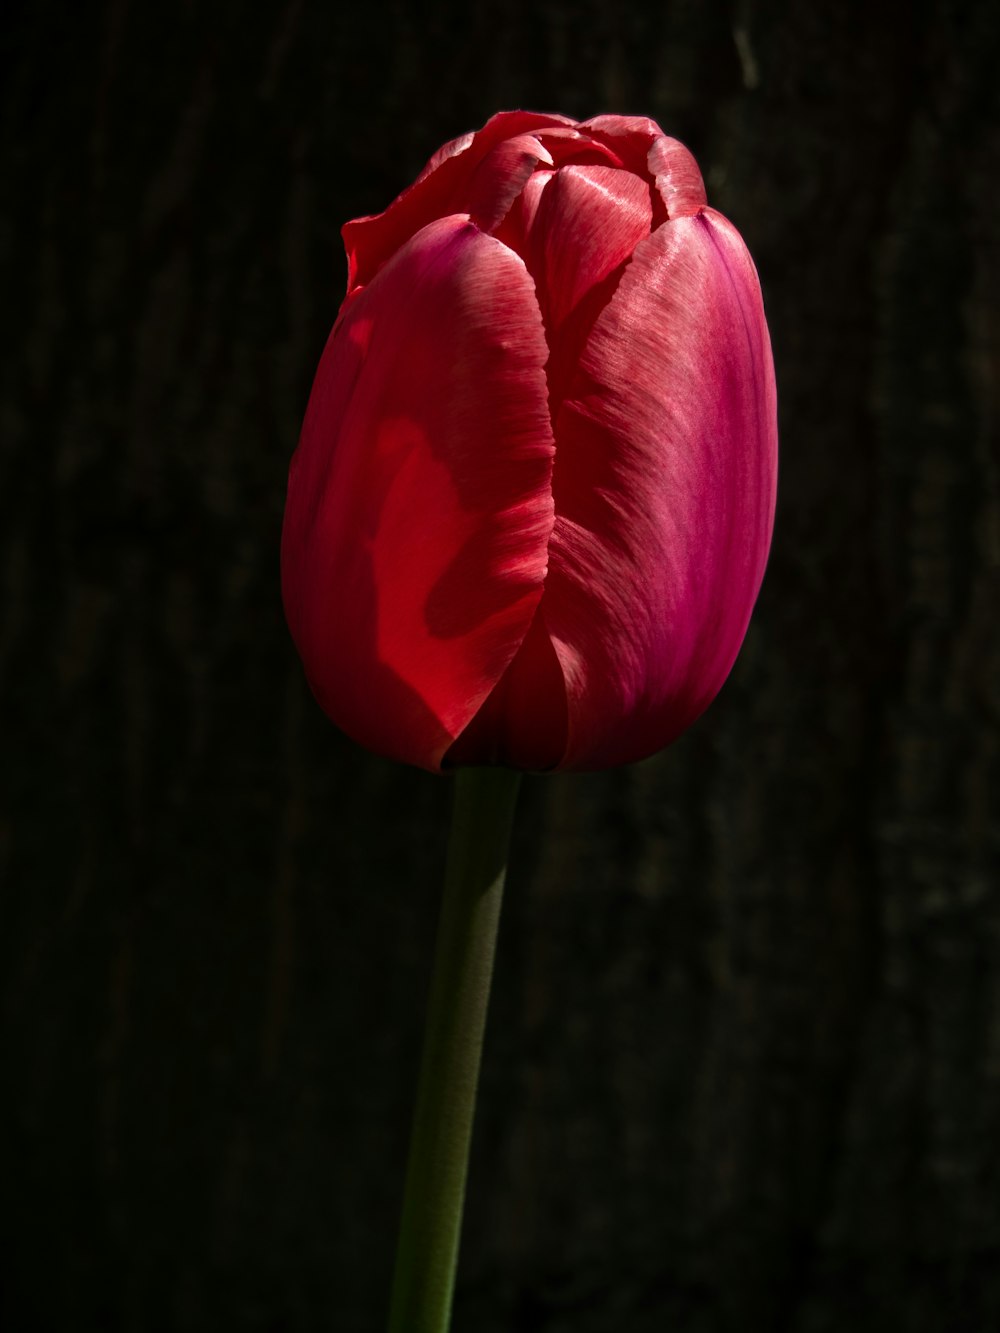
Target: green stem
427, 1251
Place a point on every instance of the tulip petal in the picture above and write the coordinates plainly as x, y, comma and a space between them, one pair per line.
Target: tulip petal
569, 145
580, 226
451, 149
622, 128
678, 180
629, 136
664, 488
501, 176
523, 723
589, 219
419, 503
508, 124
437, 192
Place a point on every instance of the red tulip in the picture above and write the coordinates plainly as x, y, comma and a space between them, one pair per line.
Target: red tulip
531, 505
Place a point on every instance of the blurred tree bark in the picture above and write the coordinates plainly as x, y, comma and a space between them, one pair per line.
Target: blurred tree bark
743, 1063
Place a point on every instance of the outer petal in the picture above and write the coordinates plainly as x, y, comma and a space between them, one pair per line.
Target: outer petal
419, 502
664, 487
451, 149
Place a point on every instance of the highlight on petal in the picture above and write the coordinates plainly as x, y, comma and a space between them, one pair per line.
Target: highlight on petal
664, 489
579, 226
419, 503
622, 128
678, 180
588, 220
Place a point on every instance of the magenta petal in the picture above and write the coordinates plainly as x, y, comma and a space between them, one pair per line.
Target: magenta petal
665, 486
419, 501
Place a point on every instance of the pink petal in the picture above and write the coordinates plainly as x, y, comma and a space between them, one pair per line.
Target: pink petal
419, 503
500, 177
437, 192
664, 489
629, 136
451, 149
507, 124
371, 242
588, 220
517, 225
579, 227
571, 146
678, 180
622, 128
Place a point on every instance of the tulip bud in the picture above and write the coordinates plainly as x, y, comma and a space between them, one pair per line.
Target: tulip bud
531, 505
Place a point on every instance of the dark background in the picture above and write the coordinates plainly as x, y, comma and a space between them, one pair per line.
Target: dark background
743, 1062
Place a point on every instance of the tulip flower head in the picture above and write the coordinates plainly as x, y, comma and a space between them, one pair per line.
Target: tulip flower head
531, 505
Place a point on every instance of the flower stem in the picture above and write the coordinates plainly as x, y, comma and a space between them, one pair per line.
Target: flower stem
427, 1251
